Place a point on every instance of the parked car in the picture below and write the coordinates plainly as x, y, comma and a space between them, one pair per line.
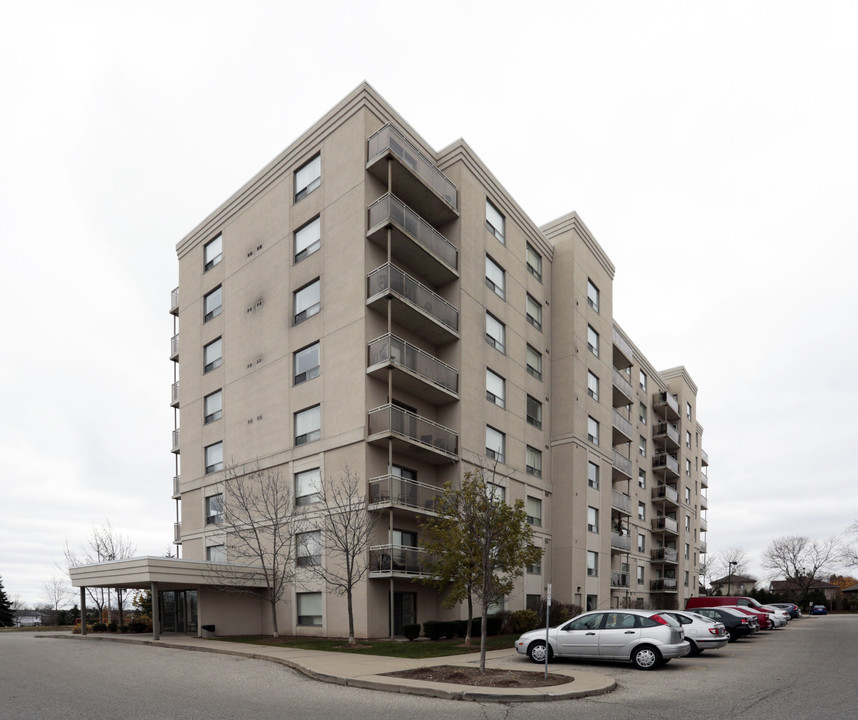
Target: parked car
646, 638
779, 615
737, 625
702, 632
791, 608
819, 610
763, 618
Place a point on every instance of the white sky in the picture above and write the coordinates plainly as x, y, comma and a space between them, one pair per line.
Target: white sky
712, 148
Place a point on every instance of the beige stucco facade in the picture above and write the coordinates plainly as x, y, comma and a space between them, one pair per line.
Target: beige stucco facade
407, 327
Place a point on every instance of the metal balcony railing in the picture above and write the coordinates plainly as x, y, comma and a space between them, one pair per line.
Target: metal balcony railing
390, 348
177, 533
704, 458
668, 431
664, 461
175, 445
174, 347
665, 492
387, 560
622, 464
619, 579
666, 402
665, 524
623, 393
621, 542
395, 491
177, 479
390, 279
623, 353
665, 555
622, 502
174, 301
393, 420
663, 584
174, 394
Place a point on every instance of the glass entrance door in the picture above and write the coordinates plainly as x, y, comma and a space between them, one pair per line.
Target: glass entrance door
404, 610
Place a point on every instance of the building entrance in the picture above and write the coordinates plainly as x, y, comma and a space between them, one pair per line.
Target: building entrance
178, 610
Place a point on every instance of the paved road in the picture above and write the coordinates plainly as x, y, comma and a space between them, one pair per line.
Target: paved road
808, 671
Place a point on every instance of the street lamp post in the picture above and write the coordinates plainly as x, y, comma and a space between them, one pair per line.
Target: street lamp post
731, 564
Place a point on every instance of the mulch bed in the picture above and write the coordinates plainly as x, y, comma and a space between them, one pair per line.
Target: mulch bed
490, 678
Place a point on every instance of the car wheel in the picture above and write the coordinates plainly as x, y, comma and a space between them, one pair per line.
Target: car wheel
536, 652
730, 636
695, 648
646, 657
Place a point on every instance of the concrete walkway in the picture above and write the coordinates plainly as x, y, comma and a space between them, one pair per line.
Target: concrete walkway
368, 671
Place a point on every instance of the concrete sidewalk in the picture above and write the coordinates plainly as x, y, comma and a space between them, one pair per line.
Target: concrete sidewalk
368, 671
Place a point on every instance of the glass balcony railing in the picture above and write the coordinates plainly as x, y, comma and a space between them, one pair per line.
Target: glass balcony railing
668, 463
622, 429
620, 542
387, 560
668, 555
622, 502
390, 420
667, 432
174, 394
665, 524
667, 404
174, 301
663, 585
176, 481
619, 579
665, 492
622, 465
174, 347
177, 533
392, 349
175, 445
396, 491
623, 393
623, 353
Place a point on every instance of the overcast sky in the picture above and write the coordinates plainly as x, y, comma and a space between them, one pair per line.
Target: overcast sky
712, 149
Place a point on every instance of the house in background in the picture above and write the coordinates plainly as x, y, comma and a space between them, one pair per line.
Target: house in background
791, 589
366, 301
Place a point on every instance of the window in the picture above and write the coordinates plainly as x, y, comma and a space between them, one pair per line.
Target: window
593, 430
533, 602
592, 563
213, 407
213, 304
495, 277
642, 414
305, 363
686, 578
640, 574
214, 457
688, 438
495, 333
534, 363
308, 424
642, 446
308, 487
213, 355
534, 412
687, 495
534, 262
592, 295
308, 239
641, 511
641, 542
495, 444
212, 252
309, 606
495, 492
534, 313
593, 341
307, 301
687, 553
687, 523
494, 221
533, 461
404, 538
308, 177
688, 411
642, 377
593, 475
214, 509
535, 569
592, 519
495, 388
216, 553
642, 478
308, 548
533, 507
592, 385
688, 467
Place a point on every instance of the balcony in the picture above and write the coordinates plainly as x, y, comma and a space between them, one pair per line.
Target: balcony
177, 533
415, 306
621, 502
176, 483
665, 555
623, 393
620, 542
666, 493
703, 524
704, 458
414, 370
704, 501
623, 353
174, 302
701, 545
389, 491
666, 405
174, 395
668, 464
175, 445
414, 242
621, 429
619, 579
413, 177
663, 585
666, 436
412, 434
396, 561
665, 524
621, 467
174, 348
704, 479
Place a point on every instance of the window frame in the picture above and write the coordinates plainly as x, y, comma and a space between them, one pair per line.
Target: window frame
308, 548
593, 479
313, 434
215, 295
592, 340
309, 373
500, 453
493, 397
214, 509
531, 370
592, 424
311, 247
217, 466
314, 475
215, 362
219, 551
592, 519
533, 269
499, 233
533, 412
593, 385
217, 414
216, 243
532, 454
493, 268
592, 295
533, 503
309, 310
533, 311
592, 563
497, 344
309, 619
315, 181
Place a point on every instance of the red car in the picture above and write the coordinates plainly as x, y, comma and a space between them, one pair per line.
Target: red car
764, 618
743, 603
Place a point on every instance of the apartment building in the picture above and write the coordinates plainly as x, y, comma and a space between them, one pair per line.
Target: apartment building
367, 302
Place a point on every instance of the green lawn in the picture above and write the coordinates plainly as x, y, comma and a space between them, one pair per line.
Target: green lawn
395, 648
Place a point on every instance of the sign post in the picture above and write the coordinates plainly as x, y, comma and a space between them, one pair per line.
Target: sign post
547, 624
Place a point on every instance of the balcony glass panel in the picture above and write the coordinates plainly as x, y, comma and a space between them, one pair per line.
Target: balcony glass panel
393, 349
392, 490
393, 420
396, 560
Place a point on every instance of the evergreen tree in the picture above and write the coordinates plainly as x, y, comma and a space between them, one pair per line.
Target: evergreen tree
6, 618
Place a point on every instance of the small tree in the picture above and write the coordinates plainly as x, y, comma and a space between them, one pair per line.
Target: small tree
260, 531
479, 544
6, 614
57, 593
346, 536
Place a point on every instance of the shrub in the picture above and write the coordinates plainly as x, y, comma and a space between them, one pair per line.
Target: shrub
432, 629
494, 623
137, 627
99, 627
522, 621
111, 627
411, 631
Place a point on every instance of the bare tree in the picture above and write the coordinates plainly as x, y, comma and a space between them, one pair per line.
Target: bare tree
850, 555
802, 561
105, 543
260, 530
346, 534
57, 593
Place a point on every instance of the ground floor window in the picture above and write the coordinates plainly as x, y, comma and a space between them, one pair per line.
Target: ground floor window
310, 609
